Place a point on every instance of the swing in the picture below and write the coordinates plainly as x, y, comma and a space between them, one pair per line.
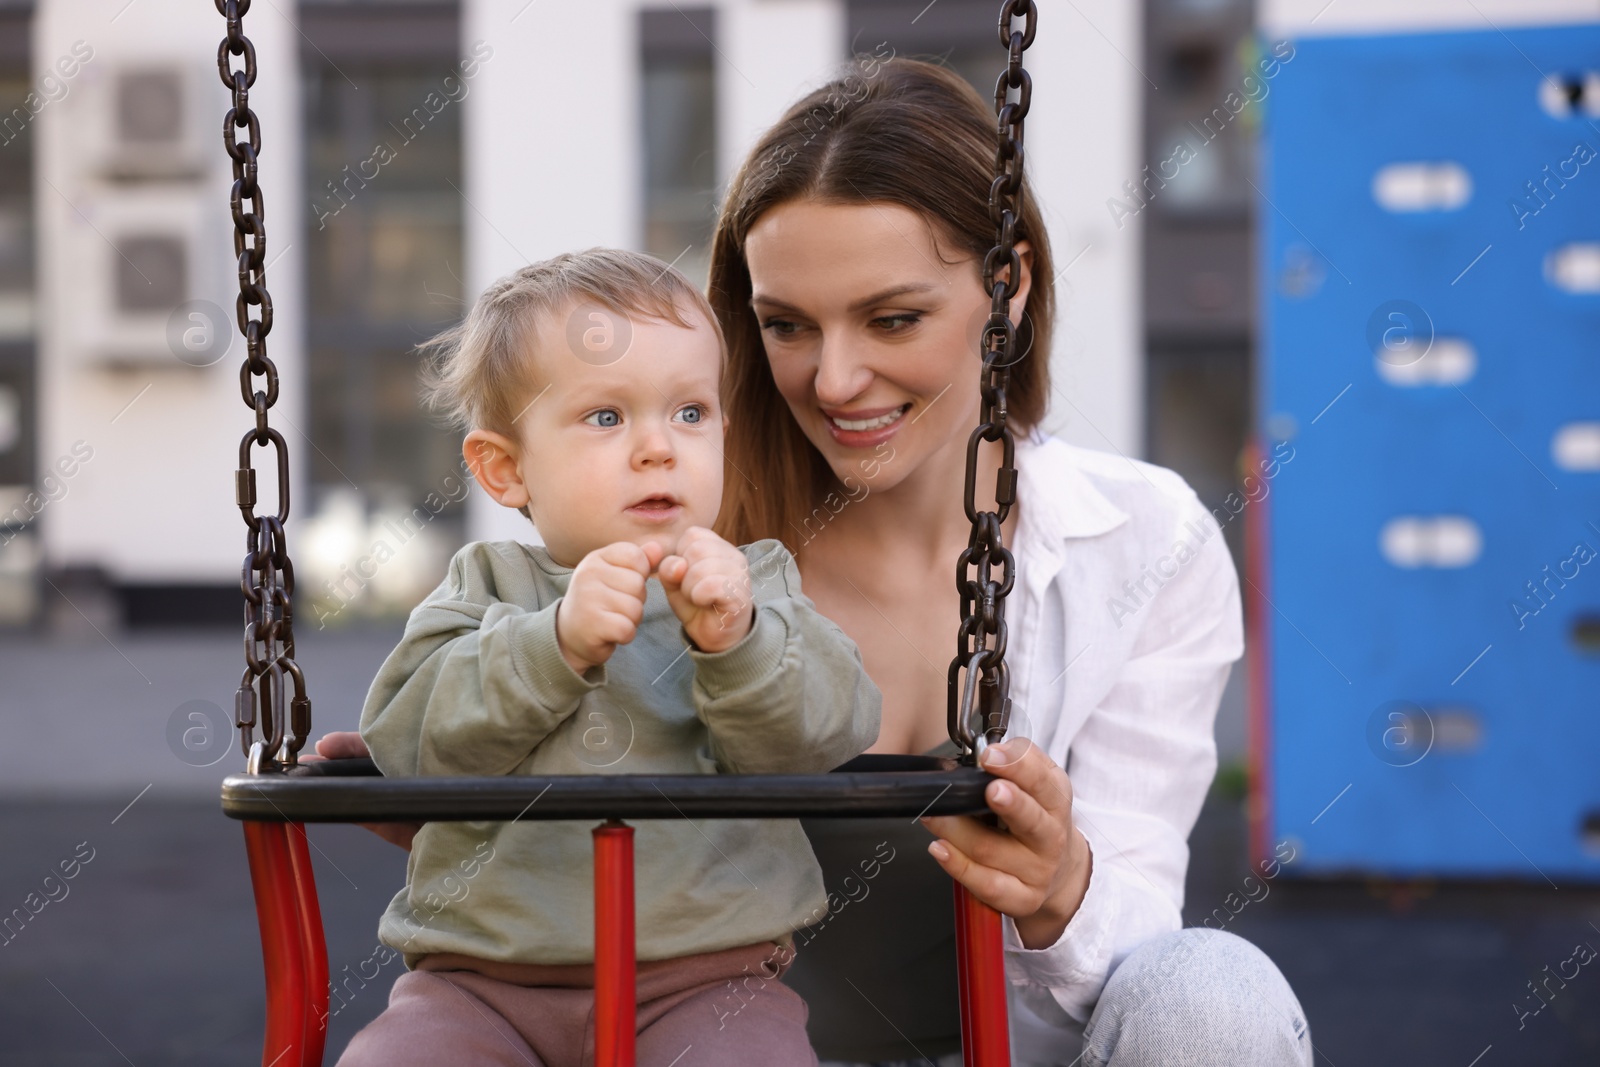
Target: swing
278, 795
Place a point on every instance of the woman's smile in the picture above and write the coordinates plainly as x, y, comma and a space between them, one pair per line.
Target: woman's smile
865, 428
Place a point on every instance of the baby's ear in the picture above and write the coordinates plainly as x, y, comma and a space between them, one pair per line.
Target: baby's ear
492, 458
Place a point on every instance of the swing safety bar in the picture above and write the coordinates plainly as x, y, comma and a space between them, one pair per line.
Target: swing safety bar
275, 805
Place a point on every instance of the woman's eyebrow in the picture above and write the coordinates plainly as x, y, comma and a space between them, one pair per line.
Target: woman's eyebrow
875, 298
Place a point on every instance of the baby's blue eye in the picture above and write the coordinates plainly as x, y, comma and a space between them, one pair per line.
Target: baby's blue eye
695, 410
603, 415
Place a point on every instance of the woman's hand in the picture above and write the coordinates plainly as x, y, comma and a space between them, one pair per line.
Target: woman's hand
1037, 869
347, 744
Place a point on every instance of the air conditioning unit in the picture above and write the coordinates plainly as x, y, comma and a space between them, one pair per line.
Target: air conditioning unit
151, 257
151, 121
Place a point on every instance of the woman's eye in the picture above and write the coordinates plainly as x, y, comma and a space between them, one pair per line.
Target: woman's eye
607, 417
781, 327
693, 413
891, 323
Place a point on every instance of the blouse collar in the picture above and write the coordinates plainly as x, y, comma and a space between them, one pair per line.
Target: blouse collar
1057, 499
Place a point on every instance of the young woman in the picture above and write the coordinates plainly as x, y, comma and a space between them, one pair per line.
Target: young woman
846, 274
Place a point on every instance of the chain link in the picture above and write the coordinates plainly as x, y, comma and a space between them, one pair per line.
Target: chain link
267, 577
980, 710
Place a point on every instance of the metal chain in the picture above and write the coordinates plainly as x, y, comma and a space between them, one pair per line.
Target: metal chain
267, 578
980, 711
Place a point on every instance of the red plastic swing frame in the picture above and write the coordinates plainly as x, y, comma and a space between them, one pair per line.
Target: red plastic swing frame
293, 949
295, 954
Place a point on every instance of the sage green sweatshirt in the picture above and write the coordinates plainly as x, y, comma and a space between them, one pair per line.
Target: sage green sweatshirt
478, 686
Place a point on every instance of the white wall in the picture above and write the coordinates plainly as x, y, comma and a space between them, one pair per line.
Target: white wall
551, 151
1083, 140
155, 502
768, 56
1313, 17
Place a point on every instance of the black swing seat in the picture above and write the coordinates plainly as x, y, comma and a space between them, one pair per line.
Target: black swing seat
354, 790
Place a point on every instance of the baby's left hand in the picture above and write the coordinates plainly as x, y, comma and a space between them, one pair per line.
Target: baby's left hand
708, 585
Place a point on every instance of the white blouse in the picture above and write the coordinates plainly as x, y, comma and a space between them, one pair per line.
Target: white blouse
1127, 624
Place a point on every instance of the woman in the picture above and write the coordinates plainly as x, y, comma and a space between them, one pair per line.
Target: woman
846, 273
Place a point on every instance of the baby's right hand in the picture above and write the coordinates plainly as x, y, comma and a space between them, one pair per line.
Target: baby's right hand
604, 602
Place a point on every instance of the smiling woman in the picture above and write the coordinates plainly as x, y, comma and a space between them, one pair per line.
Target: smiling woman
849, 281
892, 355
843, 228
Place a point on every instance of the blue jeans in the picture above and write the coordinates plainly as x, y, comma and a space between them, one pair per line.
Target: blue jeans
1192, 998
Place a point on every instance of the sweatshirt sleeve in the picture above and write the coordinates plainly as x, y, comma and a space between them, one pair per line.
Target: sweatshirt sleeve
477, 680
792, 697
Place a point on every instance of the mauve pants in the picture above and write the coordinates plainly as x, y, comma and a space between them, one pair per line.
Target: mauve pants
716, 1009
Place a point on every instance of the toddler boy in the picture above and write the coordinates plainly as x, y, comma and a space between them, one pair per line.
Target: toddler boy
635, 640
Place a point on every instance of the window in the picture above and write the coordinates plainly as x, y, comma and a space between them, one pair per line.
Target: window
678, 112
960, 34
18, 421
384, 268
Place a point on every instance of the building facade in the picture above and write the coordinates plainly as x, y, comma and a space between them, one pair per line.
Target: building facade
413, 151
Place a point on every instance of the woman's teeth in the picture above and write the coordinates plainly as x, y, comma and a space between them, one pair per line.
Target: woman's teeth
871, 424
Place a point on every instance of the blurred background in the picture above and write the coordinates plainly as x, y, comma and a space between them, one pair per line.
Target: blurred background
1337, 262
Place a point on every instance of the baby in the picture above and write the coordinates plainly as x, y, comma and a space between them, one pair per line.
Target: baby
635, 640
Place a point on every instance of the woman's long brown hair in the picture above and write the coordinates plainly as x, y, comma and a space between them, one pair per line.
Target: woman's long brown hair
890, 131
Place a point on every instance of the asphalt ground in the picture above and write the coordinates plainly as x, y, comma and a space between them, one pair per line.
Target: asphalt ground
149, 953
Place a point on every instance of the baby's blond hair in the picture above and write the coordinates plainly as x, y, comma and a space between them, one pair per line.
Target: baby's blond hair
481, 371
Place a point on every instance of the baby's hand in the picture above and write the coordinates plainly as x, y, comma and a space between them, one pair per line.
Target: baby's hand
708, 585
604, 602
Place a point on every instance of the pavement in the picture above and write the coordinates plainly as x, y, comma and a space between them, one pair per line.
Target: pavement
106, 713
149, 953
